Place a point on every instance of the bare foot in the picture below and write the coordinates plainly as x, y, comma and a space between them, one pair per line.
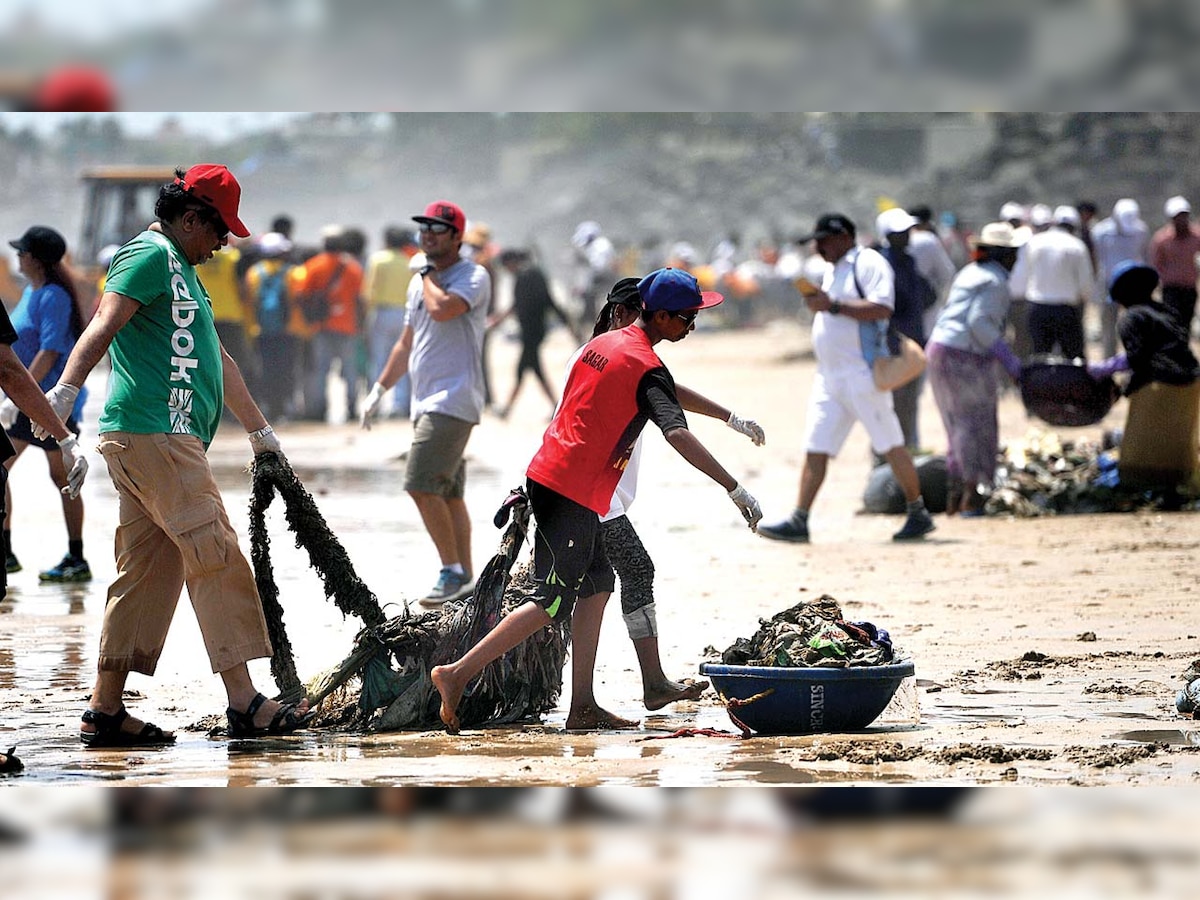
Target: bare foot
593, 718
451, 695
659, 695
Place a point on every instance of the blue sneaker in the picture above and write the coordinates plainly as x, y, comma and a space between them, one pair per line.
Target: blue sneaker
69, 569
787, 530
450, 586
11, 563
916, 526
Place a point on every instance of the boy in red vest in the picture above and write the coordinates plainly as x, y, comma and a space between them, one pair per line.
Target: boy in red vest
616, 387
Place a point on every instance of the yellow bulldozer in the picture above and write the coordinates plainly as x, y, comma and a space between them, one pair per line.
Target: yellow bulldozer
118, 204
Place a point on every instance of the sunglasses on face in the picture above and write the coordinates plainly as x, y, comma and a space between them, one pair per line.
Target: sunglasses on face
434, 227
213, 219
687, 318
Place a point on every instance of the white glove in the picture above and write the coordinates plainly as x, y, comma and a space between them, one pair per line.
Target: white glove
371, 404
417, 262
264, 441
748, 427
751, 511
62, 399
8, 414
75, 463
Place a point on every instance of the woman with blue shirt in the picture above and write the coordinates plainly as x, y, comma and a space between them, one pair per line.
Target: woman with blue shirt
962, 352
48, 322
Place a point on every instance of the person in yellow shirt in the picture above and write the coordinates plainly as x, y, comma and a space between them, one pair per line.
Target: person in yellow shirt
385, 291
230, 310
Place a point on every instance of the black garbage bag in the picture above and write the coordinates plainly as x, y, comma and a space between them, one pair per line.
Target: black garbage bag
1061, 392
883, 494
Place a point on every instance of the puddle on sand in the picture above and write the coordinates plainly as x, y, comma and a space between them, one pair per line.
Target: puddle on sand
1132, 715
1174, 737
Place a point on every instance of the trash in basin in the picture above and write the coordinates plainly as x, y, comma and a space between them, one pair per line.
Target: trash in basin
805, 700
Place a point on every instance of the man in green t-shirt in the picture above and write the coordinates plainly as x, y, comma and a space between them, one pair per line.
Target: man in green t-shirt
170, 378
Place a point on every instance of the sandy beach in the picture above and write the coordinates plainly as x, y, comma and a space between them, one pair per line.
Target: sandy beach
1047, 651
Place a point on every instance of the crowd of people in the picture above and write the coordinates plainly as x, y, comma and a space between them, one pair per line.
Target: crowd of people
188, 347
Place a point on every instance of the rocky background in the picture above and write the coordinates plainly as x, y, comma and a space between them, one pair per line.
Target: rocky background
649, 179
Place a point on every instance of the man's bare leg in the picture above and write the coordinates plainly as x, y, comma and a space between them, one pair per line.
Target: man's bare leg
585, 714
435, 515
460, 520
452, 679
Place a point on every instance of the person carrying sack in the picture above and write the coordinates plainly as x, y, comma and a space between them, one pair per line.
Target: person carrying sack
857, 291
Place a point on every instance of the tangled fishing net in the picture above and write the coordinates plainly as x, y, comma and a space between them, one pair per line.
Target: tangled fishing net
383, 683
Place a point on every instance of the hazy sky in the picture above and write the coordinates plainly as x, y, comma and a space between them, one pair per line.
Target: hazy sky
219, 125
95, 19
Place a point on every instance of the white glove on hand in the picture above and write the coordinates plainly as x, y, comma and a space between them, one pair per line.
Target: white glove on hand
371, 404
748, 427
8, 414
62, 399
75, 463
751, 511
264, 441
417, 262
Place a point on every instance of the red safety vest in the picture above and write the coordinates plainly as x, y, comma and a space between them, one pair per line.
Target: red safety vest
587, 445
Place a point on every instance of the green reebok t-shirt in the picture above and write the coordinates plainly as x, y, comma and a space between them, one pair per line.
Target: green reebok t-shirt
166, 360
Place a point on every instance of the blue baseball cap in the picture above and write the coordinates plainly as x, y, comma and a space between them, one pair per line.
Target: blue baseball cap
1132, 283
674, 290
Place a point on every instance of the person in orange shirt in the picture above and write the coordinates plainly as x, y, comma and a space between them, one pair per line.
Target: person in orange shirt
328, 298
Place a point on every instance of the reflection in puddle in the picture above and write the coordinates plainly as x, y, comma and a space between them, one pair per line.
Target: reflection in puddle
1174, 737
1132, 715
765, 771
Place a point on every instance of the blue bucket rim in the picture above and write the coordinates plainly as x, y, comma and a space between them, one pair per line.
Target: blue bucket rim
900, 669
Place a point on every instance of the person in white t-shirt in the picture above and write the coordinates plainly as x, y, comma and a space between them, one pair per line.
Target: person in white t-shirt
852, 308
1054, 276
441, 348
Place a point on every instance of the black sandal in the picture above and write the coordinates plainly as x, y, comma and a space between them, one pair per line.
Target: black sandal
9, 764
286, 720
108, 731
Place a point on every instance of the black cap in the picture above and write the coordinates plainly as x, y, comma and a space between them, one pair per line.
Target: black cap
828, 225
43, 244
625, 293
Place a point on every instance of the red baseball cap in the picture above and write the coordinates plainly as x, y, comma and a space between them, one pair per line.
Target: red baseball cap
76, 89
216, 186
446, 213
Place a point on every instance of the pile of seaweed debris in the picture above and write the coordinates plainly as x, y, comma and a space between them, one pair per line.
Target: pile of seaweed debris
1042, 475
812, 633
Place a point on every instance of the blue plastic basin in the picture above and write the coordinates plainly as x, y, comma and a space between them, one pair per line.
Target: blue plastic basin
808, 700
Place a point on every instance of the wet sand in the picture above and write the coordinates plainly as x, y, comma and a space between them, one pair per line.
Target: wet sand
996, 613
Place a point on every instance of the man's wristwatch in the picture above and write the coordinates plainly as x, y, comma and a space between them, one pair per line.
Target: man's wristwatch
429, 268
835, 307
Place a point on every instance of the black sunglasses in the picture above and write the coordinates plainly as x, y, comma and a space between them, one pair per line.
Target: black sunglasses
213, 218
435, 227
686, 317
